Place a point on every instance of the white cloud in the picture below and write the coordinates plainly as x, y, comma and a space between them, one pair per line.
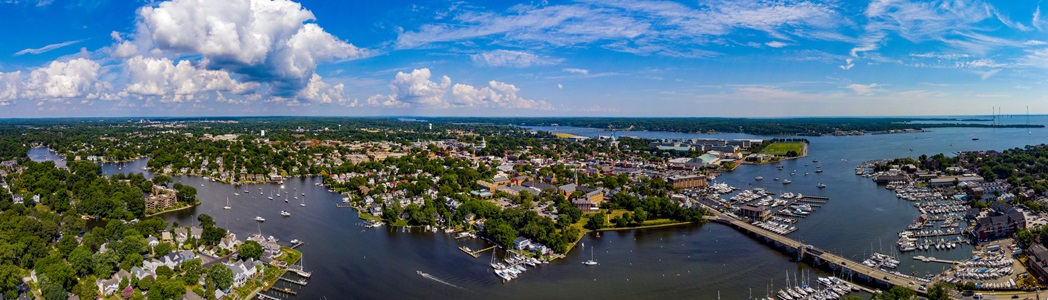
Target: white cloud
10, 85
987, 74
847, 64
72, 79
177, 82
46, 48
509, 58
955, 23
263, 41
415, 89
641, 27
863, 89
323, 92
776, 44
496, 94
577, 71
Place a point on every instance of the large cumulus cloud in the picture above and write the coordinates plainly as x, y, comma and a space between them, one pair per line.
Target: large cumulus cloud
76, 78
415, 89
177, 82
265, 41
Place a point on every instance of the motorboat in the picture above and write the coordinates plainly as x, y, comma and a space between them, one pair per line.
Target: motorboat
260, 219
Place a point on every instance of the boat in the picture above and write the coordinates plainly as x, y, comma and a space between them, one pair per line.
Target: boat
270, 195
236, 194
820, 185
260, 219
227, 204
591, 261
759, 178
285, 213
295, 241
786, 181
975, 138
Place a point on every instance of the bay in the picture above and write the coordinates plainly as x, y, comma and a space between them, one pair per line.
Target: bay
686, 262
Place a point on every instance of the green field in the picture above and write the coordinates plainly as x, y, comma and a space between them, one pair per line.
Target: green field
781, 148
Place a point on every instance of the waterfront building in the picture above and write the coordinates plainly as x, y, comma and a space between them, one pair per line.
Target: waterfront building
687, 182
1001, 221
756, 213
160, 199
1037, 264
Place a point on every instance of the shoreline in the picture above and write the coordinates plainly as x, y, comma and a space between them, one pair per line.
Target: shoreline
171, 210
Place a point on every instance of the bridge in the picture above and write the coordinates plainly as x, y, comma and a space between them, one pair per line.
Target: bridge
820, 257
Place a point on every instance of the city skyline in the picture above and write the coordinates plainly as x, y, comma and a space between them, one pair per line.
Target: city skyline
557, 58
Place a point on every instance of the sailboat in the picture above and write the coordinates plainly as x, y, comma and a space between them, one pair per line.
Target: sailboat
227, 204
271, 195
303, 204
591, 261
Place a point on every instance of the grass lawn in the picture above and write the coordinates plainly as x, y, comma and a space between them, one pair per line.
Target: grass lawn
367, 216
781, 148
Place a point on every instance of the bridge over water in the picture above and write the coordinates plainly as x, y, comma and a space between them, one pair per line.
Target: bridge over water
819, 257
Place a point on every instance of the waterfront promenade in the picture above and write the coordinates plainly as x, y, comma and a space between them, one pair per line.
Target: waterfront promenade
820, 257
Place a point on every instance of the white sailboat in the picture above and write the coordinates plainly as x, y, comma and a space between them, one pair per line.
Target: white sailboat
270, 195
591, 261
227, 204
303, 204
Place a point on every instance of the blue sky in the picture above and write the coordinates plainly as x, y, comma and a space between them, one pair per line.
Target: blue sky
542, 58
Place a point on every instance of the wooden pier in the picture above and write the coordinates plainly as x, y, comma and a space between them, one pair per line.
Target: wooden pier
298, 282
816, 197
343, 205
475, 254
266, 297
285, 290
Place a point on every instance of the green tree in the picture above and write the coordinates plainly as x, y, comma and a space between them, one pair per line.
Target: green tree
220, 276
250, 249
164, 271
131, 260
596, 221
191, 269
66, 244
81, 260
896, 293
168, 289
162, 249
51, 290
9, 280
940, 291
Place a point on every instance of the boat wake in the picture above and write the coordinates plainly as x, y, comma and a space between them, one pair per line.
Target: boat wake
434, 278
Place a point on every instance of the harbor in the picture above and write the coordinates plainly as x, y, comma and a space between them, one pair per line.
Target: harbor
836, 226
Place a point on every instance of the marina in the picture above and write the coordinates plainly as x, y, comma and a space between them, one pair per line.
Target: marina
857, 203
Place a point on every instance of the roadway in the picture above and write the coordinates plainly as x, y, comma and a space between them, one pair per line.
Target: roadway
858, 268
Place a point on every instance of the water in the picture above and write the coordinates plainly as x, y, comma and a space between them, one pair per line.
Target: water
690, 262
41, 154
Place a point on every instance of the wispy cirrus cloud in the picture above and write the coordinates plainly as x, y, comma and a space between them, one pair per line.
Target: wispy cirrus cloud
46, 48
510, 58
631, 26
